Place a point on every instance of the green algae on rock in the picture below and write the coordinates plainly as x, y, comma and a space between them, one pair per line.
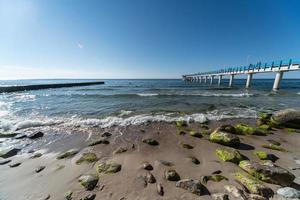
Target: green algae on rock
274, 147
196, 134
253, 185
224, 138
88, 181
67, 154
229, 155
268, 172
245, 129
100, 141
261, 155
181, 124
87, 157
108, 167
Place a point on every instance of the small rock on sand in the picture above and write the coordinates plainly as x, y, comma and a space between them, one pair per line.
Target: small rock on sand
14, 165
69, 195
120, 150
289, 192
193, 186
149, 178
109, 167
9, 152
160, 189
106, 134
89, 197
147, 166
220, 196
35, 135
150, 141
172, 175
236, 192
39, 169
3, 162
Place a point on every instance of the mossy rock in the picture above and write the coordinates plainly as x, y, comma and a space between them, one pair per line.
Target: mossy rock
194, 160
264, 118
9, 152
108, 167
290, 130
181, 132
181, 124
120, 150
214, 178
229, 155
67, 154
186, 146
227, 128
7, 135
224, 138
100, 141
150, 141
268, 172
196, 134
245, 129
274, 147
88, 181
253, 185
87, 157
204, 126
261, 155
265, 127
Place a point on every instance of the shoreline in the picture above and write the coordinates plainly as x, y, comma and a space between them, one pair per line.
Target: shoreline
61, 176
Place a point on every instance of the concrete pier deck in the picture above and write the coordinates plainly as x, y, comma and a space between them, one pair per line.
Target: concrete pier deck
277, 67
46, 86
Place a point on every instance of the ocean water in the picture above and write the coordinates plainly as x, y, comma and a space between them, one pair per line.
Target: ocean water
126, 102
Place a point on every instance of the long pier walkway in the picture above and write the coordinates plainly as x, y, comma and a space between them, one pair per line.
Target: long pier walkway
46, 86
277, 67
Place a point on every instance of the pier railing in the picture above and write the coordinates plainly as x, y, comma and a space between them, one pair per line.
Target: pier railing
278, 67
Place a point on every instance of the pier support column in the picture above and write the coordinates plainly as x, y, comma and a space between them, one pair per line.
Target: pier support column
205, 79
220, 79
211, 80
277, 80
249, 79
231, 80
200, 79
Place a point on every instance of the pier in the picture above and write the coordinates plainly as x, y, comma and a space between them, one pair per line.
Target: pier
276, 67
45, 86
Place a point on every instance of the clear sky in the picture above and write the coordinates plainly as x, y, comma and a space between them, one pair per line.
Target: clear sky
142, 39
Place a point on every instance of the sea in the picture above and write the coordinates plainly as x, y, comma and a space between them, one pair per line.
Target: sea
134, 102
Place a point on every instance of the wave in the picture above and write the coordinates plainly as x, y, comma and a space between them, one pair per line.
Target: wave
75, 122
147, 94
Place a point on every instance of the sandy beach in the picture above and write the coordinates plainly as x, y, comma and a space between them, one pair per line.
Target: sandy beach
126, 146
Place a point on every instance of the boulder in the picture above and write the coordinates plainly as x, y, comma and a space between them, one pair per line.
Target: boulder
67, 154
224, 138
150, 141
35, 135
268, 172
288, 192
253, 185
220, 196
9, 152
87, 157
108, 167
245, 129
171, 175
229, 155
289, 118
193, 186
88, 181
147, 166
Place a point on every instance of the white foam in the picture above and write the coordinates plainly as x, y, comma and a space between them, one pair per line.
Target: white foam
125, 113
147, 94
34, 123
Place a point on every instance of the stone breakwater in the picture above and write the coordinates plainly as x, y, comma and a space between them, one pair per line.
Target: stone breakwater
229, 159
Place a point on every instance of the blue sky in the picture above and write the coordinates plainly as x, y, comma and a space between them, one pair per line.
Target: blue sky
142, 39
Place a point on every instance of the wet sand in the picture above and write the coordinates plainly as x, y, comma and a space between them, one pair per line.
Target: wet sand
61, 176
